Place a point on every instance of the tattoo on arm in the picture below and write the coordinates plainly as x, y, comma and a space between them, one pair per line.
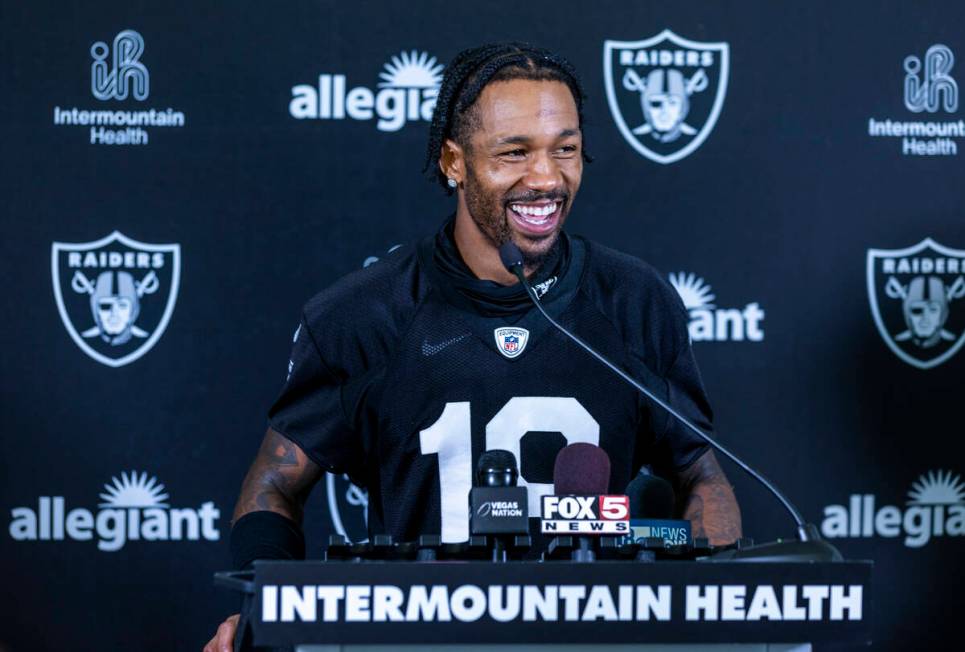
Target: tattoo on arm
279, 480
708, 501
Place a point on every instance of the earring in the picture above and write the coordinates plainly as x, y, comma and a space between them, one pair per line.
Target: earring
452, 182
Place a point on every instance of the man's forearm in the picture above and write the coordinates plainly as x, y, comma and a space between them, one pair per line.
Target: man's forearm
709, 502
279, 480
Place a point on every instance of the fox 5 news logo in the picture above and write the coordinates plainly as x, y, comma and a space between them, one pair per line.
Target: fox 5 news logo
585, 515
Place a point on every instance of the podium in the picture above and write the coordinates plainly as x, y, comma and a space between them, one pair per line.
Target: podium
324, 606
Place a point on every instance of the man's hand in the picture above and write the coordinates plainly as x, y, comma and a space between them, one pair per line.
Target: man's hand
224, 638
708, 501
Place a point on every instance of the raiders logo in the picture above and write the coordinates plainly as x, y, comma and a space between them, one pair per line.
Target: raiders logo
115, 295
914, 295
665, 92
348, 505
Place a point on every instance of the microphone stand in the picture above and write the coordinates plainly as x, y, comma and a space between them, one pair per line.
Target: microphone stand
809, 545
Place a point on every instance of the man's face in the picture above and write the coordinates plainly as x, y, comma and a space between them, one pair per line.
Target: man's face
925, 317
524, 163
115, 314
664, 111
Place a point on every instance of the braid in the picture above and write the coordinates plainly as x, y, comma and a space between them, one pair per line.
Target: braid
470, 72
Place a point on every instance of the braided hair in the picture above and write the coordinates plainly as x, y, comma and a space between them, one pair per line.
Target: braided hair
466, 76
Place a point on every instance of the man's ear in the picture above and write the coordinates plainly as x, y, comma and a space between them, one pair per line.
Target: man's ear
452, 161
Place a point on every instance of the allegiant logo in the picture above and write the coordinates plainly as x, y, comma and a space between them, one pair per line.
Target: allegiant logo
134, 508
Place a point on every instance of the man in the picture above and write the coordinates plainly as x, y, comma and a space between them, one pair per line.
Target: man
403, 373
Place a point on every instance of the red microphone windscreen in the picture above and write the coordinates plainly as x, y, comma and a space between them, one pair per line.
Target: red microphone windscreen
581, 469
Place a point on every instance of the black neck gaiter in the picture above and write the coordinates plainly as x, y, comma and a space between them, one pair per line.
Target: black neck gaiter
489, 298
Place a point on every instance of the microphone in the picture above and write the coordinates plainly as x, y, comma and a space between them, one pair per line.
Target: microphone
809, 546
581, 476
650, 497
581, 469
651, 512
497, 468
496, 505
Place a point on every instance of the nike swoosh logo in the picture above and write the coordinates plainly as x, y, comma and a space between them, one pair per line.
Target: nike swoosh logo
432, 349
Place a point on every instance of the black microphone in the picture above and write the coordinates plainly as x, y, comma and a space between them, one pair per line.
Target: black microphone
810, 546
652, 514
496, 468
650, 497
496, 505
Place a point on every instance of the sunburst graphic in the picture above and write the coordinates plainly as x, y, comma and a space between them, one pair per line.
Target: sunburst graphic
939, 488
692, 289
134, 491
411, 70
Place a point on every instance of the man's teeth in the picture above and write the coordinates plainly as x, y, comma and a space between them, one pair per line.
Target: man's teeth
540, 213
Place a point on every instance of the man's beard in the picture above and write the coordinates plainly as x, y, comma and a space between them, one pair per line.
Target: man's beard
489, 214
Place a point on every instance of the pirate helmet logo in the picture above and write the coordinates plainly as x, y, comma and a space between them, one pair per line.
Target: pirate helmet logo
665, 92
913, 293
108, 288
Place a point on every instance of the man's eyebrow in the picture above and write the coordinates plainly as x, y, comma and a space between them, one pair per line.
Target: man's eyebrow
522, 140
513, 140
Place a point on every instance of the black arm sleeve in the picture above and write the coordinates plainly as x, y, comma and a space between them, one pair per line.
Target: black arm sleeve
265, 535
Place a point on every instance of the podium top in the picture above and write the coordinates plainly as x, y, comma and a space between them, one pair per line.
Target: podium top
533, 602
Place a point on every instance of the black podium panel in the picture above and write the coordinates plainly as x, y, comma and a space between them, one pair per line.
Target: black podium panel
606, 602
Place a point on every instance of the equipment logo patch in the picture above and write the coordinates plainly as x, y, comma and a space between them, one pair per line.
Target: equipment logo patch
115, 295
511, 341
913, 294
665, 92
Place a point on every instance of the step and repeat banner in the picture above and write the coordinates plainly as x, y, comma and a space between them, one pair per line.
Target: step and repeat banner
179, 178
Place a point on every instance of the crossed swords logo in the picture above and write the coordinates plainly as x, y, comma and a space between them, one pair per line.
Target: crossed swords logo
82, 285
895, 290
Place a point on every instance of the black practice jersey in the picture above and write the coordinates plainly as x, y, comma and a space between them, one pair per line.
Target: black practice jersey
398, 383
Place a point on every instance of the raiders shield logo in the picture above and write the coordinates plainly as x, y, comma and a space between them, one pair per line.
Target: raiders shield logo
348, 505
915, 301
665, 92
115, 295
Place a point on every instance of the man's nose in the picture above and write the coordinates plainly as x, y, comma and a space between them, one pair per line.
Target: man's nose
543, 174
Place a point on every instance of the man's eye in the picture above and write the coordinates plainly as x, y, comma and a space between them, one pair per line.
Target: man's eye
514, 153
568, 149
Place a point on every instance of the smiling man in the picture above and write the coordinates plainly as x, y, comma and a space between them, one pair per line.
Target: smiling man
404, 373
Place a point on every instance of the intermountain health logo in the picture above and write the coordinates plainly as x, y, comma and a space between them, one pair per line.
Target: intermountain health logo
115, 295
665, 92
708, 323
134, 508
915, 295
117, 74
407, 92
927, 87
935, 508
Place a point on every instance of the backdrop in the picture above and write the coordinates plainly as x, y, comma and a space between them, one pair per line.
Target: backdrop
178, 178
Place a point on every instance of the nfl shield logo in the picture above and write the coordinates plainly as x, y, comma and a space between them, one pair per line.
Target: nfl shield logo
115, 295
665, 92
511, 341
914, 295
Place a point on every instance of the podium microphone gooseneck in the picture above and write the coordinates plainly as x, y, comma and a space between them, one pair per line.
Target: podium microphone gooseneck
809, 546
